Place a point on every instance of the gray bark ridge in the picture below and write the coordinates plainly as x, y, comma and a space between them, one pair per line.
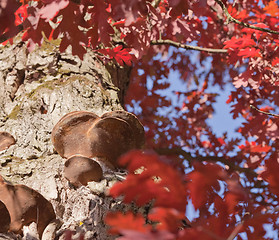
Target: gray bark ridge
36, 90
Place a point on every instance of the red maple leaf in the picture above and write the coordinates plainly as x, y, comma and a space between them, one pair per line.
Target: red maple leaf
101, 30
271, 174
253, 147
21, 14
120, 222
129, 9
235, 194
52, 8
168, 219
158, 181
239, 42
202, 181
178, 7
7, 18
275, 61
120, 54
72, 34
255, 32
249, 52
152, 235
236, 14
272, 8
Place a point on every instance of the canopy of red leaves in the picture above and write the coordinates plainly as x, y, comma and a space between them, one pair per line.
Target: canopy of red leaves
231, 182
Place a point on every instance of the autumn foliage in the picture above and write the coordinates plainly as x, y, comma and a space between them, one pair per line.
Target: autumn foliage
231, 182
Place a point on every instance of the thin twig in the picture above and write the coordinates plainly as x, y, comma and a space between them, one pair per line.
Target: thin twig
187, 47
231, 19
235, 231
266, 113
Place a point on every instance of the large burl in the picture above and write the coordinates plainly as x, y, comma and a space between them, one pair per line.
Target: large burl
24, 206
80, 136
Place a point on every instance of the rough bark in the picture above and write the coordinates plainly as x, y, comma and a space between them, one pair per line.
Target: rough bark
36, 90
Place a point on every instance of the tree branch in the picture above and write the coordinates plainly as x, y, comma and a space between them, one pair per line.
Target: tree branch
179, 151
235, 231
187, 47
231, 19
267, 113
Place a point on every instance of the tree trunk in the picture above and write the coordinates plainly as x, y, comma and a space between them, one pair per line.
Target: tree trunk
36, 90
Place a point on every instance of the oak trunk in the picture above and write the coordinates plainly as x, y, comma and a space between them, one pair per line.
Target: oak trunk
36, 90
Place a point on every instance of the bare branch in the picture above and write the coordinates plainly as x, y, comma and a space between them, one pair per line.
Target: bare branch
266, 113
229, 162
231, 19
187, 47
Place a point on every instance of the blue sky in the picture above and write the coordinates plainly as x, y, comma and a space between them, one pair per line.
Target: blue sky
222, 120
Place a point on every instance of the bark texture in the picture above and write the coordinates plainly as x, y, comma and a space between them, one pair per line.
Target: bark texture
36, 90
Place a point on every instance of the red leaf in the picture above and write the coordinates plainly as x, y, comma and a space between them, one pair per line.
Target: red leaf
72, 34
52, 8
157, 181
275, 61
254, 148
120, 54
120, 222
272, 8
271, 174
260, 148
202, 180
221, 141
239, 43
152, 235
34, 35
237, 15
178, 7
8, 10
257, 33
168, 219
229, 99
21, 14
130, 10
235, 194
100, 22
249, 52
